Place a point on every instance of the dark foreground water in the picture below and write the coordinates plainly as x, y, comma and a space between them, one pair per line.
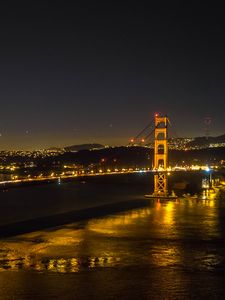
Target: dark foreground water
164, 250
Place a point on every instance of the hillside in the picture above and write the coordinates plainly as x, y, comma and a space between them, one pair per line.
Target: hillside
207, 141
75, 148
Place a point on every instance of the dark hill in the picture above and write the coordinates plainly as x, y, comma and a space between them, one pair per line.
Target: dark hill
76, 148
120, 157
205, 142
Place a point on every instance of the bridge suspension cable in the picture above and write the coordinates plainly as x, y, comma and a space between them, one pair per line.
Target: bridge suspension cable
149, 125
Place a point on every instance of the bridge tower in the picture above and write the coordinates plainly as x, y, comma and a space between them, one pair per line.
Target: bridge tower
161, 156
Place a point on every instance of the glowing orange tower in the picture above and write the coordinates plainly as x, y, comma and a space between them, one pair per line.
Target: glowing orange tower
161, 156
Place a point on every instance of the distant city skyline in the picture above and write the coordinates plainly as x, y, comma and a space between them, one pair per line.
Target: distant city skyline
85, 72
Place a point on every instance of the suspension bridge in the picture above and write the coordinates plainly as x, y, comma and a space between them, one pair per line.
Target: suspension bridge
159, 132
160, 167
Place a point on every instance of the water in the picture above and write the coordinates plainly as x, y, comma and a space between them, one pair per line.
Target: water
165, 250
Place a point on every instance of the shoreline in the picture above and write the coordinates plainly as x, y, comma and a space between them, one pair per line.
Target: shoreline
4, 185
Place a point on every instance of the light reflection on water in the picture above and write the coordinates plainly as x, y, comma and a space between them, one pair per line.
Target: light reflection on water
168, 250
163, 234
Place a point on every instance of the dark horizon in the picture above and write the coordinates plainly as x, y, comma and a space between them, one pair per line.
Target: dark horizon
86, 72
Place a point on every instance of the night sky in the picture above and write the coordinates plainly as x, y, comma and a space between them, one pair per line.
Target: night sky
87, 71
